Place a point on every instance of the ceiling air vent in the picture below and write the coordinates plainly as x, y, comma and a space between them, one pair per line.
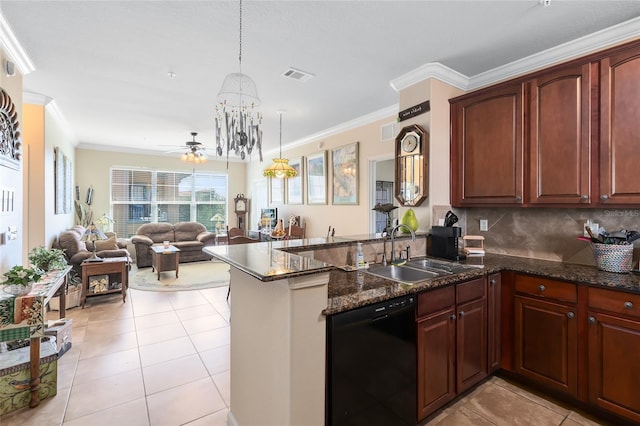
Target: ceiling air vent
297, 74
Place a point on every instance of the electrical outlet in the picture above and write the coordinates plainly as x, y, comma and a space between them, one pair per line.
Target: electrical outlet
484, 225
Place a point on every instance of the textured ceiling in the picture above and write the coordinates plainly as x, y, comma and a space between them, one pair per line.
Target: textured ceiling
105, 63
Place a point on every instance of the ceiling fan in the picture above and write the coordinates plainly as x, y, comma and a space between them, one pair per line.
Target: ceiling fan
192, 150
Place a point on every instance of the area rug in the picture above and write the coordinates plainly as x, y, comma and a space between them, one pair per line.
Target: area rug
191, 276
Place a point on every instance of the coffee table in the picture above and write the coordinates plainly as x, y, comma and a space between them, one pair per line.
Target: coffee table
165, 259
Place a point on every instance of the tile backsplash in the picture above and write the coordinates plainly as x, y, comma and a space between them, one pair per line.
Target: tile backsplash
545, 233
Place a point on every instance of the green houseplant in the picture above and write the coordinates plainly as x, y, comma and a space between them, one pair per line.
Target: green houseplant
47, 259
19, 280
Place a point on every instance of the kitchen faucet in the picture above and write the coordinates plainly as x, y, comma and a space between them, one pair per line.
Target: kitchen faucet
393, 240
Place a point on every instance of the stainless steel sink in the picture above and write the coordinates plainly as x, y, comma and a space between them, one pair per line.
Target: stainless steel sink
442, 267
402, 273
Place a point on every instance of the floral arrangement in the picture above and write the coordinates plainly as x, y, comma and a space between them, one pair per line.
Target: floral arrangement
47, 259
19, 275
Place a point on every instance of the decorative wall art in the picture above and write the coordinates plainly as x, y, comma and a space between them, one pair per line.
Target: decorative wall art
317, 178
62, 182
276, 193
295, 186
9, 134
345, 174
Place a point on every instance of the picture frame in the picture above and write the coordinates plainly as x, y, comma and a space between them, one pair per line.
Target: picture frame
316, 172
59, 180
345, 177
276, 191
295, 186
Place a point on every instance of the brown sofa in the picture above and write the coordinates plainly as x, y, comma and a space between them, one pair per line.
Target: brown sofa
189, 237
76, 250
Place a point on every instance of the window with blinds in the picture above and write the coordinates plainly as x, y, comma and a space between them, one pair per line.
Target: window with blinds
146, 196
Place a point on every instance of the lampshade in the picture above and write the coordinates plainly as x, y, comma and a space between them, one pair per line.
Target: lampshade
237, 121
280, 168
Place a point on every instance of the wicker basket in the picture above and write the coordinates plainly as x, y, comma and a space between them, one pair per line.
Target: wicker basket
613, 257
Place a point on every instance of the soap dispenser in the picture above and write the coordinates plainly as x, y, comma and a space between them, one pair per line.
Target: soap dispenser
360, 264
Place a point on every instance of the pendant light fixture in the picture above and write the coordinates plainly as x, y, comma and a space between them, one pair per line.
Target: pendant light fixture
237, 121
280, 168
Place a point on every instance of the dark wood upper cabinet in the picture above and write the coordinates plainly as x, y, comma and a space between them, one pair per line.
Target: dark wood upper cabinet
581, 136
619, 127
559, 111
487, 148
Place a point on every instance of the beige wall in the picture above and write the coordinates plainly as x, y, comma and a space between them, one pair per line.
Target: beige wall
11, 252
42, 133
93, 168
348, 220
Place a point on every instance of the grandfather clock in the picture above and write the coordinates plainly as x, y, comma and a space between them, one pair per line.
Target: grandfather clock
241, 209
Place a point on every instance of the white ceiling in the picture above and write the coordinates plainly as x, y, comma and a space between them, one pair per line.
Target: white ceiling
106, 63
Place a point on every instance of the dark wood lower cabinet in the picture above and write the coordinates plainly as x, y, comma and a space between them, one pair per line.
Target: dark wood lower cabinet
494, 321
546, 343
452, 343
614, 364
436, 362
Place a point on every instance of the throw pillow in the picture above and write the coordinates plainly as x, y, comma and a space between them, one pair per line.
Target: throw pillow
109, 244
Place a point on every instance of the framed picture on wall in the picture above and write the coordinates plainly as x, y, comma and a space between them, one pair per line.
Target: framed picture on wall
295, 186
345, 174
276, 191
317, 178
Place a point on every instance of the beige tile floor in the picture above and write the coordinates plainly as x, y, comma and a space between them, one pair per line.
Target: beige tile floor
162, 358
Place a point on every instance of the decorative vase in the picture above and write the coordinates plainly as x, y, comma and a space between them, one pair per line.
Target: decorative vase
17, 289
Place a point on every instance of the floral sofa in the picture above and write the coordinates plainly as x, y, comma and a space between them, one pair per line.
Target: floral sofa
76, 250
189, 237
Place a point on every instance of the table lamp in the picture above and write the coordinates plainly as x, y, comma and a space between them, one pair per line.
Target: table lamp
93, 234
103, 221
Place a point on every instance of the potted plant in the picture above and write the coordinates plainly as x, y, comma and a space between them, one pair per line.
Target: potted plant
47, 259
20, 279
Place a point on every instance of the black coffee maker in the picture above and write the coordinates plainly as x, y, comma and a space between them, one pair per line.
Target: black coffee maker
444, 242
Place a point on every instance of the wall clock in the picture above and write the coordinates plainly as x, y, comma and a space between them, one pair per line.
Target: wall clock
412, 171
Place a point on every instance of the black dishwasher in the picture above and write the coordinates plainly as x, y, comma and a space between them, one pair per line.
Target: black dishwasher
371, 365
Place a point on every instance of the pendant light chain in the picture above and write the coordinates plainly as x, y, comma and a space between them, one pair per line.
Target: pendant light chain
280, 135
240, 50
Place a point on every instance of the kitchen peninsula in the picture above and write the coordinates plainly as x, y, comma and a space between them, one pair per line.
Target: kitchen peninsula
282, 294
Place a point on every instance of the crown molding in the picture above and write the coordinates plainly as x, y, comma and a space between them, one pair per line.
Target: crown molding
52, 108
431, 70
13, 49
340, 128
591, 43
35, 98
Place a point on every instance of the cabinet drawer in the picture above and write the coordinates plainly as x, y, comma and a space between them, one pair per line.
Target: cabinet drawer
470, 290
614, 301
549, 289
430, 302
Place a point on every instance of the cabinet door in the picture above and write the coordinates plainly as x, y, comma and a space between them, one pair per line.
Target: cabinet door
546, 341
614, 370
559, 137
619, 130
436, 355
494, 321
486, 148
471, 344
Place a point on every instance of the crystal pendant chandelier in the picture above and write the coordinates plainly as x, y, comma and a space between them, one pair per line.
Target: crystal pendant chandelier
237, 121
280, 168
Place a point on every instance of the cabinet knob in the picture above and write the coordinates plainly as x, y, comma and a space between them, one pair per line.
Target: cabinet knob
452, 317
592, 320
518, 198
541, 287
461, 313
492, 282
584, 197
628, 305
570, 315
604, 197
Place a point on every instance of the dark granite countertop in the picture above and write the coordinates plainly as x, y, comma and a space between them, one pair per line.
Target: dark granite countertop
349, 290
269, 261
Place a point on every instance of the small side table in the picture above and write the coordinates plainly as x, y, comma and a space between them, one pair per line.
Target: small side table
108, 265
165, 259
